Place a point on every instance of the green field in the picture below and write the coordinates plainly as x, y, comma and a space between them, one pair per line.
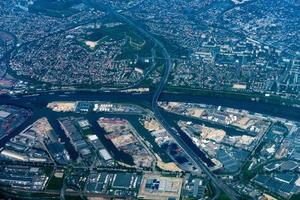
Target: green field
55, 8
116, 32
136, 44
55, 183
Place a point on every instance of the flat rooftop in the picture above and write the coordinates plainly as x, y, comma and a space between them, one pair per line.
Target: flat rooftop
4, 114
157, 187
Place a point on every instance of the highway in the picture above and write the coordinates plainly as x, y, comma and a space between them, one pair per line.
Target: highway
163, 81
155, 108
217, 182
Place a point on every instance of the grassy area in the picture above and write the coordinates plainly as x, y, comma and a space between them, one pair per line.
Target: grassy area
135, 37
223, 196
88, 132
55, 183
141, 64
116, 32
55, 8
295, 197
277, 100
210, 192
136, 44
248, 175
74, 198
173, 48
131, 51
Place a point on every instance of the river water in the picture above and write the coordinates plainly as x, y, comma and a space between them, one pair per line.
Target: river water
38, 106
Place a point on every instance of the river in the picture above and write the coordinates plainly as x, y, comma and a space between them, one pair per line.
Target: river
38, 105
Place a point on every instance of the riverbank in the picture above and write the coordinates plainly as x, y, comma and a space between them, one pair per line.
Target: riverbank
144, 99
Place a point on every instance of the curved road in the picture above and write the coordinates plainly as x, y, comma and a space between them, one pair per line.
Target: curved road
218, 183
163, 81
168, 67
166, 73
